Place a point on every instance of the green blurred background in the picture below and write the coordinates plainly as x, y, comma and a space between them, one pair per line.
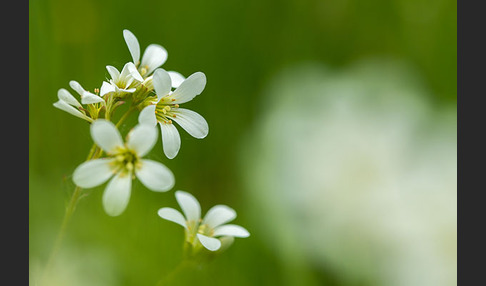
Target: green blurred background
241, 47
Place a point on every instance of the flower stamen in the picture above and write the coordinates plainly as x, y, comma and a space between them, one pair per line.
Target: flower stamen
143, 70
126, 160
205, 230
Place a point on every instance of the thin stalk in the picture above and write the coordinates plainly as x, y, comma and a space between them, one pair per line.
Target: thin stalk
98, 154
168, 279
125, 116
67, 216
94, 153
187, 260
91, 152
108, 108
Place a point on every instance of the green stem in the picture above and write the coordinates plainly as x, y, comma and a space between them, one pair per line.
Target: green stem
108, 109
94, 153
91, 152
125, 116
167, 279
67, 216
98, 154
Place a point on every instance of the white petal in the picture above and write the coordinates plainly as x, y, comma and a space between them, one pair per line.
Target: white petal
106, 135
66, 96
218, 215
231, 230
147, 116
155, 176
126, 75
71, 110
106, 88
114, 73
135, 74
117, 194
176, 78
189, 88
77, 87
153, 57
149, 82
130, 90
172, 215
192, 122
171, 141
210, 243
131, 71
90, 98
133, 45
142, 138
189, 205
162, 83
93, 173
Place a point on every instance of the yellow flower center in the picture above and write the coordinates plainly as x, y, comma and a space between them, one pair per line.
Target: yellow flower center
205, 230
164, 110
126, 160
195, 227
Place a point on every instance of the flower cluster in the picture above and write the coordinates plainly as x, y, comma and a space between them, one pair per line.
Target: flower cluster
157, 95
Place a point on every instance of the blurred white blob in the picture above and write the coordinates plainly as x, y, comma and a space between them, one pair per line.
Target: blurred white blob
354, 172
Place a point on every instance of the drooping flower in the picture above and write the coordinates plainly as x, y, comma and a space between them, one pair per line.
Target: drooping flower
70, 104
208, 230
86, 96
123, 162
154, 56
166, 108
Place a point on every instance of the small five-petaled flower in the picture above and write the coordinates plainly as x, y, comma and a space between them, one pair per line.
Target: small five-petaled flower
123, 162
206, 230
166, 108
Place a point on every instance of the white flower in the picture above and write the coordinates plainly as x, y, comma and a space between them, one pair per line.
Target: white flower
166, 109
123, 82
86, 96
153, 57
124, 161
209, 228
366, 183
68, 103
